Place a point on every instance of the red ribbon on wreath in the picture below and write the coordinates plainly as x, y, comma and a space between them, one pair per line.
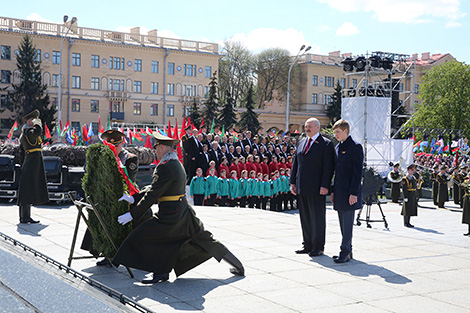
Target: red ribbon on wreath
130, 185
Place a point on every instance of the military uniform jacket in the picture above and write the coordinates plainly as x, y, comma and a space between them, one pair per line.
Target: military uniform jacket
174, 238
443, 193
33, 182
466, 202
131, 163
410, 204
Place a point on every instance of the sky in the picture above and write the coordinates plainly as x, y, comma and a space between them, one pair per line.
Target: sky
356, 26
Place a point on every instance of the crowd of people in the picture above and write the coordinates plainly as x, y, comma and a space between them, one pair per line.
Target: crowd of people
253, 171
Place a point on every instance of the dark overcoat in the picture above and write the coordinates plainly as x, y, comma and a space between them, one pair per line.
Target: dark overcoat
348, 175
410, 203
174, 238
443, 191
32, 188
435, 186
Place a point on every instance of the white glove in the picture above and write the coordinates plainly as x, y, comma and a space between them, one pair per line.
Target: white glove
406, 200
125, 218
127, 198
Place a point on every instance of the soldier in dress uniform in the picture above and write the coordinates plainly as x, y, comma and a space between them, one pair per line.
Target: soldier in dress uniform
466, 204
174, 238
463, 177
419, 183
184, 141
131, 163
456, 181
395, 190
410, 205
435, 185
443, 193
32, 188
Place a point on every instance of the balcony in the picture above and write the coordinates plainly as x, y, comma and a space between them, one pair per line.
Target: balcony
118, 95
116, 116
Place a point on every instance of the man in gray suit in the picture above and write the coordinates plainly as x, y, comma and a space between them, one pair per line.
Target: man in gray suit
310, 180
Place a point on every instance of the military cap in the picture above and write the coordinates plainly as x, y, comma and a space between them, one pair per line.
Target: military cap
463, 167
188, 127
410, 167
443, 167
288, 133
113, 136
31, 115
164, 140
396, 164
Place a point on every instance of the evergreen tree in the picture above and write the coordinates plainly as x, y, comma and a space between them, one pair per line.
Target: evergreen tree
334, 108
30, 93
211, 111
249, 118
195, 114
228, 115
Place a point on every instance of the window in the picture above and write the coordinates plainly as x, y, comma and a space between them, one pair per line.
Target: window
154, 109
56, 57
137, 108
3, 101
55, 80
416, 88
208, 72
137, 86
206, 91
314, 98
76, 125
111, 60
94, 127
343, 83
354, 83
6, 53
95, 61
186, 110
315, 80
76, 59
54, 103
328, 99
171, 89
95, 83
76, 82
171, 68
76, 106
189, 70
117, 63
6, 77
154, 66
117, 84
38, 55
138, 65
189, 90
170, 110
154, 88
329, 81
94, 106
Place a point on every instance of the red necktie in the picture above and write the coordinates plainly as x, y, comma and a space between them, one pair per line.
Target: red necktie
308, 145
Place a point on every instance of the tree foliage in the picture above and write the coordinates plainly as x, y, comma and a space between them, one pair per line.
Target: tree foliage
445, 95
272, 68
105, 185
333, 110
249, 118
30, 93
195, 113
228, 115
211, 111
235, 70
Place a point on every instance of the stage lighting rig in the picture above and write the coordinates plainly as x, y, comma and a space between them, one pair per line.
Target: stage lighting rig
348, 64
361, 64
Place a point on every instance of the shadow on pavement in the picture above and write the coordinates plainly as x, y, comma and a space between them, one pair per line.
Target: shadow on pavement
30, 229
361, 269
428, 230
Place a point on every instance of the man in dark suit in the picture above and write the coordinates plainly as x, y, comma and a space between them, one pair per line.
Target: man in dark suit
247, 141
310, 180
194, 146
215, 154
347, 191
203, 159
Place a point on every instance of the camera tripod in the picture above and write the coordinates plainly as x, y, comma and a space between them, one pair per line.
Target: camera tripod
371, 199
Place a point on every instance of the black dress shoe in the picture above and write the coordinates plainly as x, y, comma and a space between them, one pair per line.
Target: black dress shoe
336, 256
409, 225
156, 278
28, 221
316, 253
303, 251
467, 234
103, 262
342, 259
238, 271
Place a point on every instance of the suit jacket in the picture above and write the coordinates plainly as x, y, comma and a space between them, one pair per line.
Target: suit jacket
192, 147
348, 175
216, 156
315, 168
203, 161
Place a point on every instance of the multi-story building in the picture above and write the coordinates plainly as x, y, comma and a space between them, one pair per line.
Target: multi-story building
129, 77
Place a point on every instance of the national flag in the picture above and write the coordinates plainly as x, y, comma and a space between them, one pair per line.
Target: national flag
200, 127
169, 130
223, 130
13, 128
90, 130
148, 131
456, 158
129, 134
100, 128
148, 142
212, 127
455, 150
47, 133
183, 126
413, 138
84, 133
446, 148
137, 135
433, 141
109, 123
65, 129
68, 137
417, 144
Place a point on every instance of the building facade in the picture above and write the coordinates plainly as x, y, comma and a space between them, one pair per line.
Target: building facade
132, 78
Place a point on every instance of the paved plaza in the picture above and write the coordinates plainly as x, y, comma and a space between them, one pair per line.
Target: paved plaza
423, 269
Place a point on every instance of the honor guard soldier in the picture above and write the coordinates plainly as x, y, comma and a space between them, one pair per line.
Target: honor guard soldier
32, 188
443, 192
456, 181
435, 184
419, 182
174, 238
410, 205
395, 177
466, 204
463, 177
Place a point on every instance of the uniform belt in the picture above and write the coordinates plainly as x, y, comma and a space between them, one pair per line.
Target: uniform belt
170, 198
33, 150
411, 189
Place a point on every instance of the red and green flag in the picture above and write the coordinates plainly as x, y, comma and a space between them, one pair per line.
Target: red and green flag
13, 128
47, 133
